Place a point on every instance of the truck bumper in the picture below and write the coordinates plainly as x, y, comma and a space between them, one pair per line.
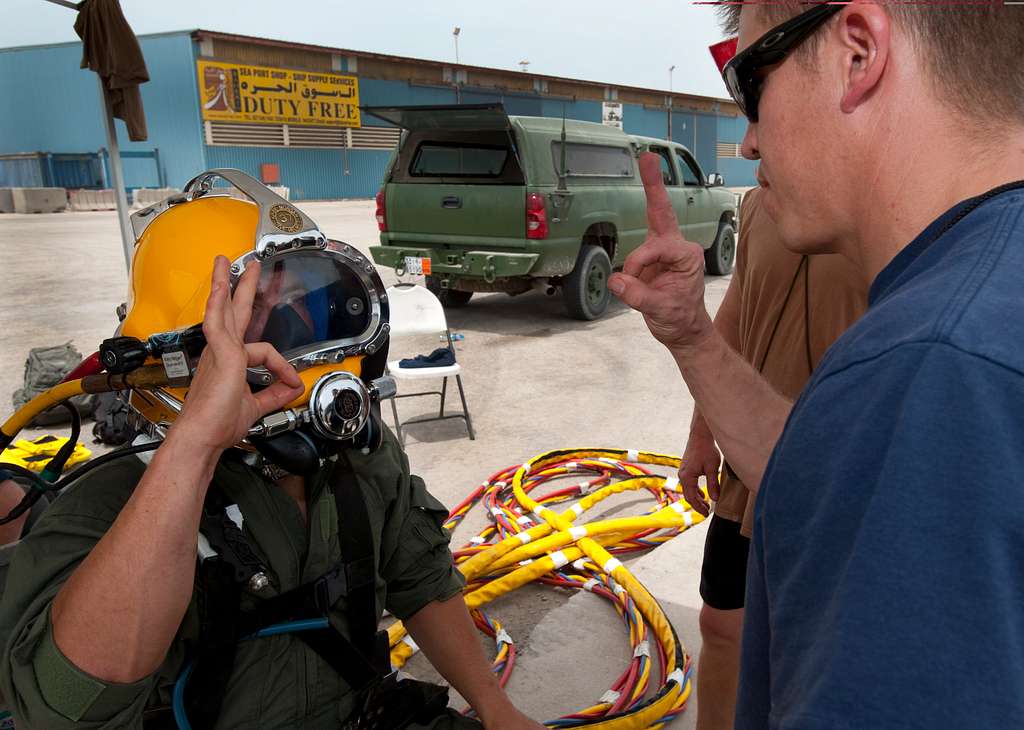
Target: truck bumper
458, 264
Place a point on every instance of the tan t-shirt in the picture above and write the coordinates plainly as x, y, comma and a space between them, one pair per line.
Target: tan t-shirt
789, 304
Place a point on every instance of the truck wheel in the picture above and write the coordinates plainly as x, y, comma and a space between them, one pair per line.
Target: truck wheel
449, 298
719, 258
585, 290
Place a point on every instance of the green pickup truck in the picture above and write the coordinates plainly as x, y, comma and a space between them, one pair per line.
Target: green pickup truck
479, 201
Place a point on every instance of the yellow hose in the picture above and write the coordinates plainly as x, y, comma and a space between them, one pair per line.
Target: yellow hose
44, 401
561, 539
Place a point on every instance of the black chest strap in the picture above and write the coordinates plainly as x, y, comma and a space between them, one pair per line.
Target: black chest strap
361, 659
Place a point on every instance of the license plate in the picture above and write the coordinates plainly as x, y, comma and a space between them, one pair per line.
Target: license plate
418, 266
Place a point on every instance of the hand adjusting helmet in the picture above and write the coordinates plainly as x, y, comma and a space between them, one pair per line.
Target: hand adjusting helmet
319, 302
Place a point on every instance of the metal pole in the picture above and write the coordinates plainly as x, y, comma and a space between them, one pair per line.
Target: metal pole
670, 70
117, 173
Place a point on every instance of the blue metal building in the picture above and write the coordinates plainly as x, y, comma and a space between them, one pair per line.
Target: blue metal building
53, 110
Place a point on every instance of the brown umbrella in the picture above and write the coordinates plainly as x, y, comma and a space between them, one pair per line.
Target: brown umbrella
110, 48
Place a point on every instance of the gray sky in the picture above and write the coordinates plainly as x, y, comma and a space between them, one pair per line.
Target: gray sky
622, 42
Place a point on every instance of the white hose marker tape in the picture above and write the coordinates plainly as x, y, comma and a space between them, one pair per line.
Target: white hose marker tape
539, 511
676, 676
606, 460
609, 697
672, 483
502, 637
478, 540
679, 507
642, 649
526, 467
577, 509
524, 537
589, 585
572, 466
578, 532
611, 565
559, 559
411, 644
526, 562
632, 455
580, 564
525, 520
497, 511
617, 589
584, 487
687, 519
485, 484
501, 485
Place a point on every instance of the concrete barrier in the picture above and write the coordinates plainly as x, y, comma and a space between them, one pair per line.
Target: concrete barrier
6, 201
93, 200
141, 197
39, 200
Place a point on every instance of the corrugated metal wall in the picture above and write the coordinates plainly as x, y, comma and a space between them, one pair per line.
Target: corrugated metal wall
65, 117
64, 113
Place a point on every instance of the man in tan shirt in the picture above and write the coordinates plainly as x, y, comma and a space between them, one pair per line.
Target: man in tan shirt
782, 311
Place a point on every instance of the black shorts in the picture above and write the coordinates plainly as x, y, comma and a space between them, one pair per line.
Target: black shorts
723, 576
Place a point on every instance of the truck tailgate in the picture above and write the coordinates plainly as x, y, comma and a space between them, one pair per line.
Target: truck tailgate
458, 210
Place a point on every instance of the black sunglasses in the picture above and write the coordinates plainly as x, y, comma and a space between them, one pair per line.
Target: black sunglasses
741, 72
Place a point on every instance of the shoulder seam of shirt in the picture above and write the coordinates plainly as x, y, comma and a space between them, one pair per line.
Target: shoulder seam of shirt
961, 301
915, 343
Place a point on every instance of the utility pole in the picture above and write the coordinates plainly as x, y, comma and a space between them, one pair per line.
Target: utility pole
455, 35
670, 70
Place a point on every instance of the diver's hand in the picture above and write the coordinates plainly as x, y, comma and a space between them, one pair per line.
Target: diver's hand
664, 278
220, 408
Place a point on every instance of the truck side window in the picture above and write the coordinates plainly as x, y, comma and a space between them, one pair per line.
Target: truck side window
691, 174
668, 172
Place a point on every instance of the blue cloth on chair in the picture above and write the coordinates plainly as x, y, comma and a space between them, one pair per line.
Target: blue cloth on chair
440, 357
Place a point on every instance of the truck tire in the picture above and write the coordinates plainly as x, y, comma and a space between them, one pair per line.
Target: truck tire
585, 290
720, 257
449, 298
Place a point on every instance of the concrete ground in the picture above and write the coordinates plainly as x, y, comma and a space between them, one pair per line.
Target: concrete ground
535, 381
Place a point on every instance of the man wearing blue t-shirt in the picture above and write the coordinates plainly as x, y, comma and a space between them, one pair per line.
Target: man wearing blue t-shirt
886, 577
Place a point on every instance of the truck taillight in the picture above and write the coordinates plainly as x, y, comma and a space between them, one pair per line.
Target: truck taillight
536, 216
382, 213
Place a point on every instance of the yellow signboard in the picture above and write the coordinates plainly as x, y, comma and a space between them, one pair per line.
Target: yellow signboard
233, 92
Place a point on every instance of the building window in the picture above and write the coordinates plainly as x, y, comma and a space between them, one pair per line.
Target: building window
728, 149
285, 135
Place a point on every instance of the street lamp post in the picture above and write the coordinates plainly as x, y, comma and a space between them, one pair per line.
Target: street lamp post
670, 70
523, 66
455, 35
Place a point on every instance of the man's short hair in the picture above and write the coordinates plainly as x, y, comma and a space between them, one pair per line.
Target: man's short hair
971, 50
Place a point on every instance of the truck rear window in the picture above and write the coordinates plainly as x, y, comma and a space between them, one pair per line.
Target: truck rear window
458, 160
592, 160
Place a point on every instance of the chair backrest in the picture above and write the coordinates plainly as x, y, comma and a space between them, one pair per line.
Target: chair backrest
415, 311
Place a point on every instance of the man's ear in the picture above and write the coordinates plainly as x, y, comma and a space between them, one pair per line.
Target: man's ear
864, 34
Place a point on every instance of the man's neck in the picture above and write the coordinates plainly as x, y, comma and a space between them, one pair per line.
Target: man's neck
908, 192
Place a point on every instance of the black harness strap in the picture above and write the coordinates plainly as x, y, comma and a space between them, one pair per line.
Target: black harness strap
361, 661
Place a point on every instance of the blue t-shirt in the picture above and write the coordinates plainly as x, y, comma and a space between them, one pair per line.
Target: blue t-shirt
885, 586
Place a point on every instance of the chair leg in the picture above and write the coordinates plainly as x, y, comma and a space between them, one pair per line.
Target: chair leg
444, 392
465, 408
398, 424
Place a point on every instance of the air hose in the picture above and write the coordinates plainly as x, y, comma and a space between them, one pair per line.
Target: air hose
529, 541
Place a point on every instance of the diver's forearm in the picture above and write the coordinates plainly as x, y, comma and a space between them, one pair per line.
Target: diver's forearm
118, 613
445, 633
741, 409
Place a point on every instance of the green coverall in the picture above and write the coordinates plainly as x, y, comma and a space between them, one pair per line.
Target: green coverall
277, 682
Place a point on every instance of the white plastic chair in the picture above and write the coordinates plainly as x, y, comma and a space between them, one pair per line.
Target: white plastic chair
416, 311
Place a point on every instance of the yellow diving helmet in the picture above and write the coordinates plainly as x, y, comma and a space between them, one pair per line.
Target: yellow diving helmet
319, 302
